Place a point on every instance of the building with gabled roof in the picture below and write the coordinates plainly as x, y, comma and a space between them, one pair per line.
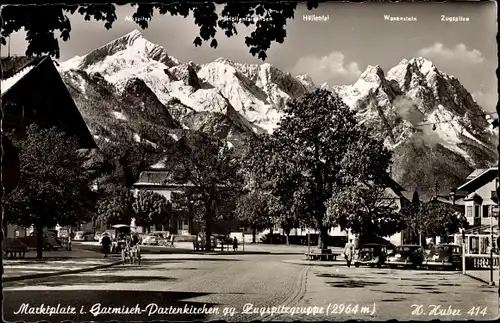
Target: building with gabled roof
481, 209
481, 200
33, 91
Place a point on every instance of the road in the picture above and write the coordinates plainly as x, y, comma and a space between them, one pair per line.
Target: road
203, 284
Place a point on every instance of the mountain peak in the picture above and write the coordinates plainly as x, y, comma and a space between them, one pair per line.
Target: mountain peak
372, 74
130, 38
224, 61
418, 63
130, 46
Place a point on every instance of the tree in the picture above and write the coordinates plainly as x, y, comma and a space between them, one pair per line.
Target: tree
54, 186
441, 220
121, 161
411, 215
40, 22
434, 219
367, 210
317, 149
252, 210
209, 170
115, 206
150, 208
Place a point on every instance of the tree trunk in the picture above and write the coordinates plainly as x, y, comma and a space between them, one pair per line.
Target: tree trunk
271, 236
208, 235
254, 234
322, 238
288, 238
209, 216
39, 240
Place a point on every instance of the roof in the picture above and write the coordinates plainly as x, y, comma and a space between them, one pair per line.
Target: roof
480, 180
390, 182
459, 203
475, 173
407, 195
9, 66
36, 85
474, 197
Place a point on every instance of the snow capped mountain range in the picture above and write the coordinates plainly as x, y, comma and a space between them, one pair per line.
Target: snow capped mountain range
231, 99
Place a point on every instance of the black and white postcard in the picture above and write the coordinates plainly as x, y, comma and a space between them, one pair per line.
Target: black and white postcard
250, 161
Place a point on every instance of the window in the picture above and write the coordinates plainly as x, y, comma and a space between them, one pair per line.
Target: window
476, 211
469, 211
486, 210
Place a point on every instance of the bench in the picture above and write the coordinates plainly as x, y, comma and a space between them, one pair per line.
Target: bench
225, 245
322, 256
14, 248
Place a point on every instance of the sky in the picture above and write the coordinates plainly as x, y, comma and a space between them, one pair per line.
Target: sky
336, 51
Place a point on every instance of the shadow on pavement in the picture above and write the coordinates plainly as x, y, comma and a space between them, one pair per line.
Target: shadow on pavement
348, 281
393, 292
24, 261
83, 301
354, 284
181, 260
92, 280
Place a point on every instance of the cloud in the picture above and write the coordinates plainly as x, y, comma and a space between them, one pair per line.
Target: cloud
331, 68
460, 54
487, 100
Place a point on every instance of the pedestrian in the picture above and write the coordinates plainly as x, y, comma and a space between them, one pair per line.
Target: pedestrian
135, 239
106, 243
432, 250
235, 244
172, 239
348, 252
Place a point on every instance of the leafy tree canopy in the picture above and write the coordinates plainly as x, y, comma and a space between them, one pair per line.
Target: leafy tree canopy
211, 174
434, 219
40, 22
318, 149
150, 208
115, 206
55, 185
252, 210
368, 210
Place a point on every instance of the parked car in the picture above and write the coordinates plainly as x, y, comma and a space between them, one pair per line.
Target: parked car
445, 255
407, 256
371, 254
152, 239
84, 236
50, 240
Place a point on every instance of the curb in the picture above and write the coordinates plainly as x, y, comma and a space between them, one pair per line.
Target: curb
58, 273
487, 282
318, 263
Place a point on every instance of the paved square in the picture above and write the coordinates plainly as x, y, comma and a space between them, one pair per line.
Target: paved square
229, 283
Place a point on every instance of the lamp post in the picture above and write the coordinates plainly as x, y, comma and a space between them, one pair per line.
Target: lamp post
463, 251
492, 283
308, 241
